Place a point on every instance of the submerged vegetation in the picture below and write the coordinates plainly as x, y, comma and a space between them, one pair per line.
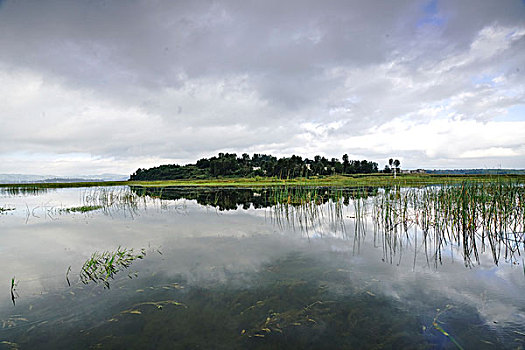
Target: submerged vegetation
294, 298
297, 301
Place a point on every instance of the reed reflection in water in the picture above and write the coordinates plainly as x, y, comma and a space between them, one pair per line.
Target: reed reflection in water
471, 218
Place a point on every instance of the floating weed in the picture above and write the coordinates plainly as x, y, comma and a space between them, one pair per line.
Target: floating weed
14, 321
10, 345
101, 267
279, 322
157, 304
138, 309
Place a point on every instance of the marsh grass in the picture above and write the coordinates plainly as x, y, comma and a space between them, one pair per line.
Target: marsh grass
103, 266
111, 199
320, 210
5, 209
305, 208
82, 209
23, 190
473, 216
356, 180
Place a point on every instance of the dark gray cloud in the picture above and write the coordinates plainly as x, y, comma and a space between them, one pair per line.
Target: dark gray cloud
174, 80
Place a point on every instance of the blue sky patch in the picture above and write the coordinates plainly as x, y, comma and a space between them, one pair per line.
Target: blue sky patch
483, 79
514, 114
431, 15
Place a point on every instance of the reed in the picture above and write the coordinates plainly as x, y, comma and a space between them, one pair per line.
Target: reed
474, 216
82, 209
103, 266
111, 199
5, 209
23, 190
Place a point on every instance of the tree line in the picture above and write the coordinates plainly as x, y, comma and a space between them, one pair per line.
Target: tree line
230, 165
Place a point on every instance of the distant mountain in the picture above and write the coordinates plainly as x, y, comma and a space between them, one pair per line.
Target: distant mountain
29, 178
477, 171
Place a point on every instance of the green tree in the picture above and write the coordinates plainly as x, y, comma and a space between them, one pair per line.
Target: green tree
346, 163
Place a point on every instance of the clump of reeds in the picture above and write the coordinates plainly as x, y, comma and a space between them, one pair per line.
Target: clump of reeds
112, 198
82, 209
5, 209
102, 266
317, 209
23, 190
474, 216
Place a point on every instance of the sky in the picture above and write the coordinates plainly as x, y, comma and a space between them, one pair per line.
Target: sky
100, 86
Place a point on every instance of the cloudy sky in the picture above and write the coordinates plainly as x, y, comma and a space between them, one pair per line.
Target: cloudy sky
98, 86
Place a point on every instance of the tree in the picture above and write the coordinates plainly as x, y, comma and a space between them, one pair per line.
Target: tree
397, 163
346, 163
394, 163
229, 165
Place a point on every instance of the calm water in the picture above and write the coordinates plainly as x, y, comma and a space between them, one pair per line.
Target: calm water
230, 269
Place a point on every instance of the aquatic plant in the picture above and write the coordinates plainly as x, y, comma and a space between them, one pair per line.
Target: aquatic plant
103, 266
5, 209
474, 216
28, 190
436, 325
111, 199
82, 209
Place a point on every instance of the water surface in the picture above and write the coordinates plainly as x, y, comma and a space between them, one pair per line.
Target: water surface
227, 268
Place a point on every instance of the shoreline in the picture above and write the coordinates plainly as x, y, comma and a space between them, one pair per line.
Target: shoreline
375, 180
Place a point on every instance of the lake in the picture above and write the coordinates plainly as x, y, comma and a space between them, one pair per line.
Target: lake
298, 268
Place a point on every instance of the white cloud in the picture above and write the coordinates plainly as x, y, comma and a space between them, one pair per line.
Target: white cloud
491, 152
182, 81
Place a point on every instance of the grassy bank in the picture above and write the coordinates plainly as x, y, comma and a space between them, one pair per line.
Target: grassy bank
338, 180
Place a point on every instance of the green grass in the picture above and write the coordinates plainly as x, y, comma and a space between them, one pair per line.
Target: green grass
357, 180
476, 216
103, 266
3, 209
378, 180
82, 209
